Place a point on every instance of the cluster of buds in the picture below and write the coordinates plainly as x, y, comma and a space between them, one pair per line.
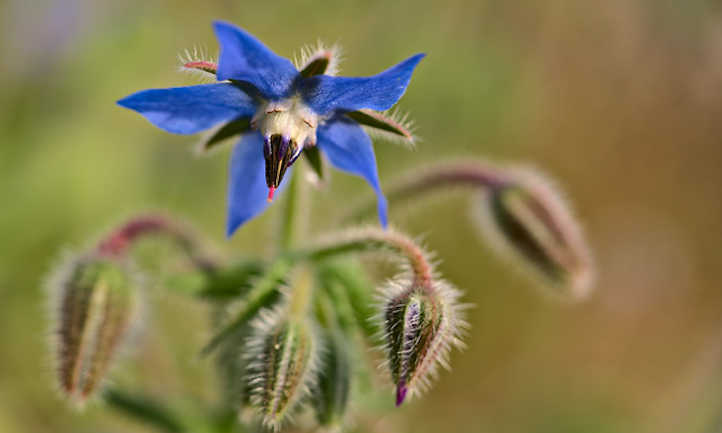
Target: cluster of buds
419, 318
298, 350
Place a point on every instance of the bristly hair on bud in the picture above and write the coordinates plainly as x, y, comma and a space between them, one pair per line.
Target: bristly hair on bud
420, 327
527, 218
317, 59
197, 62
94, 302
282, 355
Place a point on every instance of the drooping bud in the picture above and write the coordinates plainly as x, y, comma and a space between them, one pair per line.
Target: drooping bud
420, 328
528, 217
282, 356
95, 303
330, 395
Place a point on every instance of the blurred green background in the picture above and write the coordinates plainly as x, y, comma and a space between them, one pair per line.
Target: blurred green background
620, 100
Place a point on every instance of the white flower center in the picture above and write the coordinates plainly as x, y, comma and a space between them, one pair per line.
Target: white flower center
291, 119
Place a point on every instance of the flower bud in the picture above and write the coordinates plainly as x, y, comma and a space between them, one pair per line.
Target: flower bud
282, 358
420, 327
95, 305
528, 218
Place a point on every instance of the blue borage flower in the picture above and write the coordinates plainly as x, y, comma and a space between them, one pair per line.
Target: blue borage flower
280, 111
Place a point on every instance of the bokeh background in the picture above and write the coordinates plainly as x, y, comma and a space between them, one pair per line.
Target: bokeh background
620, 100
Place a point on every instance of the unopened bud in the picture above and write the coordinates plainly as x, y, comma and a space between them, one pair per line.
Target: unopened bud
282, 358
96, 302
528, 217
420, 328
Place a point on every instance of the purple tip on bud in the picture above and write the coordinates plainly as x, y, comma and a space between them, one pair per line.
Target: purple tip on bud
279, 153
400, 393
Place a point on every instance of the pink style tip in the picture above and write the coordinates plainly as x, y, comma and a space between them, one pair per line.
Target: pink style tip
271, 191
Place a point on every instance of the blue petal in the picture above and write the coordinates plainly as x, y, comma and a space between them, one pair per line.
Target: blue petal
245, 58
187, 110
380, 92
349, 149
247, 189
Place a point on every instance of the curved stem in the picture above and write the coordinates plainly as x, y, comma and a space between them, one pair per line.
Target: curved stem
119, 241
377, 239
469, 174
371, 239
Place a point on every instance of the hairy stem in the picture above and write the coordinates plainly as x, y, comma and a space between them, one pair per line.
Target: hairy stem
371, 239
423, 181
120, 240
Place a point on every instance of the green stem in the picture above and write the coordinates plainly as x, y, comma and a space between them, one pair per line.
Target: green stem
292, 218
302, 291
373, 239
476, 175
118, 242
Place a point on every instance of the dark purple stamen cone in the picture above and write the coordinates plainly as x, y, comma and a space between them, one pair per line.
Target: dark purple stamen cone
279, 153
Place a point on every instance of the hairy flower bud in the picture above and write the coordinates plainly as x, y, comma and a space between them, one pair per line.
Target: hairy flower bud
528, 217
420, 327
95, 305
282, 357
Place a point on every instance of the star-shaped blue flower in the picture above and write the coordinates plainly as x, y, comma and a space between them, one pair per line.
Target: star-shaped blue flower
280, 111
